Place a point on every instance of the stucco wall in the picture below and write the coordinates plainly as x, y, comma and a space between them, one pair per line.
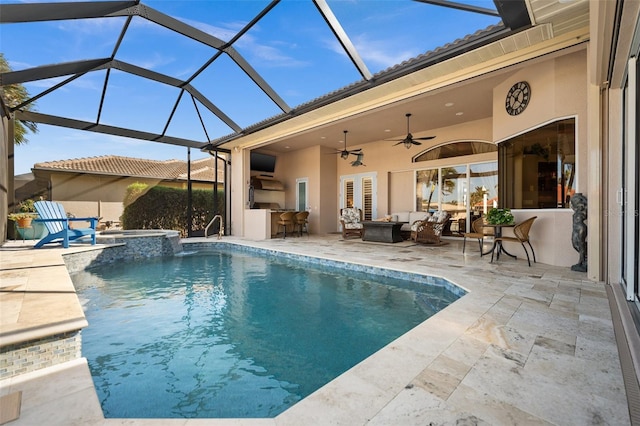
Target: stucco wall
328, 202
319, 167
558, 91
395, 170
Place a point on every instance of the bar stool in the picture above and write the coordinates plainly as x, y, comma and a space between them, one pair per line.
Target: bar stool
286, 219
302, 223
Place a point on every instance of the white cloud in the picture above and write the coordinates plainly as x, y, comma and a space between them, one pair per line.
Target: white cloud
382, 53
269, 55
223, 33
93, 27
153, 61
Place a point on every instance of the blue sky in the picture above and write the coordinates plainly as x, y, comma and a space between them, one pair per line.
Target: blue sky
291, 48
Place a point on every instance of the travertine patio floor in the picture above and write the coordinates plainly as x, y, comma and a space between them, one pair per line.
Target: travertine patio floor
526, 345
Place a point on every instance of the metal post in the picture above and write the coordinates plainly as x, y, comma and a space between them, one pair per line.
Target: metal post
189, 200
215, 186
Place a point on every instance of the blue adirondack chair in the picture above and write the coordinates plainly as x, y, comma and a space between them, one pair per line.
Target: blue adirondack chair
55, 219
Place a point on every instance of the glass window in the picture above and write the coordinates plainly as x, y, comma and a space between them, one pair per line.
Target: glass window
454, 191
455, 149
466, 191
427, 190
537, 169
484, 187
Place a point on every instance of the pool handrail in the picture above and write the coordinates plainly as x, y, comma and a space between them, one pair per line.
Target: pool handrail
220, 232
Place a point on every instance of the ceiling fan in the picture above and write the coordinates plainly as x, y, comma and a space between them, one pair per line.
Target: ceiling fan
344, 154
409, 139
358, 161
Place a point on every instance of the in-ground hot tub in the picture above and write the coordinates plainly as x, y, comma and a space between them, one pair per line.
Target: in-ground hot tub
143, 243
125, 245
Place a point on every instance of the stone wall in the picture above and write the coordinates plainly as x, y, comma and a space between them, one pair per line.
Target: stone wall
25, 357
125, 246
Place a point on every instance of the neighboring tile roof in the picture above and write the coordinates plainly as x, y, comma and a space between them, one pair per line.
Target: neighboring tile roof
201, 170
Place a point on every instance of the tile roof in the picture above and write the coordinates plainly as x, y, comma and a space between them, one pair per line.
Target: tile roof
201, 170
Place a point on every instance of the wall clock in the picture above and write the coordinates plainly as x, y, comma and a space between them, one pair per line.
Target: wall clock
518, 98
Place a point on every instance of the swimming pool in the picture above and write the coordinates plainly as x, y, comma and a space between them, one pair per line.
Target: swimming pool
219, 335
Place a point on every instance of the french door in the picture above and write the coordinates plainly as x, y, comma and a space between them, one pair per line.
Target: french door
302, 194
360, 191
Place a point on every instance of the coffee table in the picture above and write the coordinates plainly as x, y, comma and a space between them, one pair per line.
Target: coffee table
383, 232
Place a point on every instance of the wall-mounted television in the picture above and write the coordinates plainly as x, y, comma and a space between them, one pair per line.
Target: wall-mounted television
263, 162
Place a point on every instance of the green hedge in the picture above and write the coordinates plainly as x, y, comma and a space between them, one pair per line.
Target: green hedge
161, 207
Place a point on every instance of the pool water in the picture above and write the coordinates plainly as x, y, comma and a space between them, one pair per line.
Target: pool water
235, 335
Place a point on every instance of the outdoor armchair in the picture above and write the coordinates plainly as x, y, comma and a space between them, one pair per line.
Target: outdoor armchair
429, 231
521, 235
57, 223
351, 220
477, 232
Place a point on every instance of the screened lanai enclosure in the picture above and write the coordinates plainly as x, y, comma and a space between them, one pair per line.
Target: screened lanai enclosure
200, 75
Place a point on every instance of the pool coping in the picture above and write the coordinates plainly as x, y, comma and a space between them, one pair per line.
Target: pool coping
74, 322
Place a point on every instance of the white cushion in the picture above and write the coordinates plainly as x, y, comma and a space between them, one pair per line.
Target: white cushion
402, 216
353, 225
413, 216
351, 215
438, 216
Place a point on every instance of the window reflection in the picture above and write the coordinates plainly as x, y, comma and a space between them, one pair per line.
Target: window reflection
455, 191
538, 168
427, 190
484, 187
466, 191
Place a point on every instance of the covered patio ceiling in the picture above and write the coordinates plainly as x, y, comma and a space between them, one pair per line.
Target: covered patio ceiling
190, 104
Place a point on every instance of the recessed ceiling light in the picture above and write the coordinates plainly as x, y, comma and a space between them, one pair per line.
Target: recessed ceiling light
459, 113
387, 130
449, 104
323, 137
287, 147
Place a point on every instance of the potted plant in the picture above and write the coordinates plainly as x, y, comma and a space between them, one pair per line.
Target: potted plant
22, 222
22, 219
25, 214
497, 216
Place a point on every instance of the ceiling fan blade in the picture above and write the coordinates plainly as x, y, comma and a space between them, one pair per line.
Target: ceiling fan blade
409, 139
